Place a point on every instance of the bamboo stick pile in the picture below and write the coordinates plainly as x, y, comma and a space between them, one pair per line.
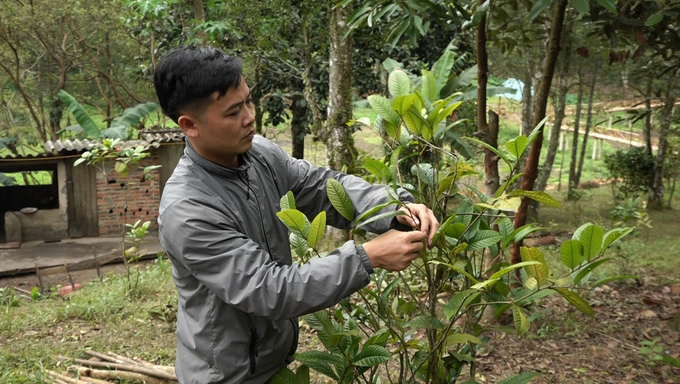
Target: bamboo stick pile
109, 368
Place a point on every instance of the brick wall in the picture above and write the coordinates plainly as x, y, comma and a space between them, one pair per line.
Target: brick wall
143, 197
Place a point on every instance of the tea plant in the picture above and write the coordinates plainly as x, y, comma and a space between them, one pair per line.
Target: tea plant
426, 323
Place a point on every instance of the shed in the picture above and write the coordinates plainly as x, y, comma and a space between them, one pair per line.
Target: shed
81, 201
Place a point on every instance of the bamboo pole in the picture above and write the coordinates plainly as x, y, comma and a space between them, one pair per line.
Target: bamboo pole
122, 375
125, 359
123, 367
69, 379
142, 363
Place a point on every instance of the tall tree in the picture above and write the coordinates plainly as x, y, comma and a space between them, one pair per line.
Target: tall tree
589, 123
338, 137
539, 108
574, 147
656, 189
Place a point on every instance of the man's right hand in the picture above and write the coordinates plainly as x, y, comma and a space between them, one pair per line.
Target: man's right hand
394, 250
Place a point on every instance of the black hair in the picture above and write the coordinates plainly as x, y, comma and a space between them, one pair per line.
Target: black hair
187, 77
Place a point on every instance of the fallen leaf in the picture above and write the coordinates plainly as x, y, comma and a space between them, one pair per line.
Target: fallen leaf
648, 314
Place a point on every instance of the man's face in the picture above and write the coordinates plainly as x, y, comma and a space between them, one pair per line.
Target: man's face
225, 128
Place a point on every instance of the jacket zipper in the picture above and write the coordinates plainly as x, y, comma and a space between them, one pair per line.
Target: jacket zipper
244, 175
252, 353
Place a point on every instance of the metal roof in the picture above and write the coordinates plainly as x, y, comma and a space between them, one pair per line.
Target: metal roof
152, 138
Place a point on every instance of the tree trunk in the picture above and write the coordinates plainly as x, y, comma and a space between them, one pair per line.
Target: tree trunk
573, 184
656, 190
338, 137
526, 101
539, 107
258, 118
199, 14
492, 182
298, 125
491, 178
648, 117
589, 122
542, 180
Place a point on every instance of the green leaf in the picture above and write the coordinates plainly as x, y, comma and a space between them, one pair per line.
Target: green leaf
132, 116
384, 107
461, 338
284, 376
398, 83
539, 196
483, 239
480, 12
302, 375
522, 378
609, 4
591, 239
571, 253
429, 85
537, 129
316, 230
577, 232
484, 284
538, 271
374, 210
372, 355
378, 169
654, 19
613, 278
381, 216
506, 270
582, 6
521, 321
299, 244
459, 302
505, 226
420, 322
320, 362
587, 269
459, 270
490, 148
339, 199
424, 172
616, 234
287, 201
295, 221
517, 145
120, 167
79, 113
576, 301
539, 7
442, 68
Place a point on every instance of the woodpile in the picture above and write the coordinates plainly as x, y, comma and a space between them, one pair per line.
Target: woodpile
109, 368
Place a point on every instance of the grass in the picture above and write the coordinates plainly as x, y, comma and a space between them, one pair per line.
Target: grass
99, 317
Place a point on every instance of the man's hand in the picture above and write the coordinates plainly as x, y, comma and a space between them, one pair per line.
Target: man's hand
394, 250
421, 217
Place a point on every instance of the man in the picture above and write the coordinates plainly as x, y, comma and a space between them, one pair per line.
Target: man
239, 292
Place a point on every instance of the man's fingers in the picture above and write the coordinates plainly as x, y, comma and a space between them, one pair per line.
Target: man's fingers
416, 236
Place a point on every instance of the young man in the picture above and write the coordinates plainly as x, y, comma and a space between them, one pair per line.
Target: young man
239, 292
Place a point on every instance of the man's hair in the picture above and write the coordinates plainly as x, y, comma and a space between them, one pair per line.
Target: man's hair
187, 77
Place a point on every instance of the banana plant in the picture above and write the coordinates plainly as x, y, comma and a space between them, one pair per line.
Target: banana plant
119, 125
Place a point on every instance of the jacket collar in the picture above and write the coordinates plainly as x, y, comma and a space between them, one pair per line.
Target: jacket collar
214, 168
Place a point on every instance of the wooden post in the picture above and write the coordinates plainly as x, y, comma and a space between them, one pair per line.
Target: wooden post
70, 278
566, 141
40, 282
561, 148
594, 149
96, 263
550, 128
599, 150
611, 118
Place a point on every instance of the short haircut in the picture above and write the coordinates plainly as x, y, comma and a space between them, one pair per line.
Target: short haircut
187, 77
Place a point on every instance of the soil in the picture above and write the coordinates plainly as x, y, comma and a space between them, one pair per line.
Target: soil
563, 344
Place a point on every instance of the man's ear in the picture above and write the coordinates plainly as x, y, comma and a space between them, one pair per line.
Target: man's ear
189, 125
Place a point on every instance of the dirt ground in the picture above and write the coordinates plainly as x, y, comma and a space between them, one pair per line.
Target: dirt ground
564, 345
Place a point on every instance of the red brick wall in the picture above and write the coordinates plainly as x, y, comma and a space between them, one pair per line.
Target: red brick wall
143, 197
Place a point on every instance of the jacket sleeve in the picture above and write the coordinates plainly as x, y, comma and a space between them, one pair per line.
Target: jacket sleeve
308, 183
239, 272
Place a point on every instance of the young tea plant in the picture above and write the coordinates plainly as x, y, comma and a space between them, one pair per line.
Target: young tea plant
426, 324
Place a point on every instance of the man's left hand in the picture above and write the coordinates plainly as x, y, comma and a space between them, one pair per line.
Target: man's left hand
421, 217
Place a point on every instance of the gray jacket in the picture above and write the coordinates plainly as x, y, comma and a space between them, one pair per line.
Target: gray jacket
239, 292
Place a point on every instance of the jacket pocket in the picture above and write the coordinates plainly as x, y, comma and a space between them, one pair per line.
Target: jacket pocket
252, 352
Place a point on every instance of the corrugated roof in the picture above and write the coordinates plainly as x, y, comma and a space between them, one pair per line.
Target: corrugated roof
151, 138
